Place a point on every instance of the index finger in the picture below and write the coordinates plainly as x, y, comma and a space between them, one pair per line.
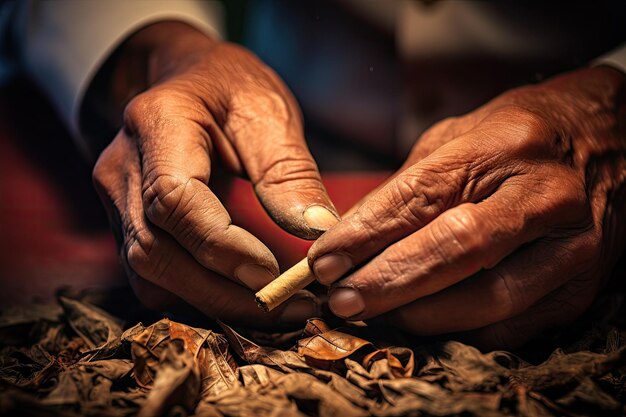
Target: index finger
175, 151
453, 174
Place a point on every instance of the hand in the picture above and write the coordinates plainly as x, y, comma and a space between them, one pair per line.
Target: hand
503, 222
207, 105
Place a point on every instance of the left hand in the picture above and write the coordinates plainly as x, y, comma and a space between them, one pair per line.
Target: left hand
503, 222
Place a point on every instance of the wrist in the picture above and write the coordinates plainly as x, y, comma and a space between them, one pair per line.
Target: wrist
140, 61
152, 54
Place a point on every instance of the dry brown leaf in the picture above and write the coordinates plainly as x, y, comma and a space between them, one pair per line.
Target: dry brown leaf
181, 370
95, 326
176, 388
282, 360
398, 360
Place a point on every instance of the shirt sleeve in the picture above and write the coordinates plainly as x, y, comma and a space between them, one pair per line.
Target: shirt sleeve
63, 43
616, 59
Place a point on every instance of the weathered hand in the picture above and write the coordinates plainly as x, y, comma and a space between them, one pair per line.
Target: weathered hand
503, 222
207, 104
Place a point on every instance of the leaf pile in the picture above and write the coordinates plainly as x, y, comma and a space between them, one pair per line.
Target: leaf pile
75, 359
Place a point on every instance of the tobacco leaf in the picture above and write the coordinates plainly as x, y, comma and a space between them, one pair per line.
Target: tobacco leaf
146, 350
326, 348
27, 367
570, 381
257, 374
330, 346
282, 360
90, 386
254, 401
169, 368
93, 325
310, 392
315, 326
176, 388
459, 367
211, 351
387, 363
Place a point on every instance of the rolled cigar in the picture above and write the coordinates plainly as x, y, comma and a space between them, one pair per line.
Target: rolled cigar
284, 286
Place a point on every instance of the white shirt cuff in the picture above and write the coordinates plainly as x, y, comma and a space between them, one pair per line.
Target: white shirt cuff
616, 59
65, 42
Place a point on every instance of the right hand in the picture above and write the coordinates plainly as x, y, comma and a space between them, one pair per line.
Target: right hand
207, 104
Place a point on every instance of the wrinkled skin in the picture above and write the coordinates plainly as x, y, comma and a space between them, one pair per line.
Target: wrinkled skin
205, 105
502, 222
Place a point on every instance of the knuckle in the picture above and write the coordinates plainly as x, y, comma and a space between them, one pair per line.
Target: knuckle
463, 231
137, 109
260, 107
144, 257
162, 196
532, 123
421, 195
295, 167
527, 131
156, 107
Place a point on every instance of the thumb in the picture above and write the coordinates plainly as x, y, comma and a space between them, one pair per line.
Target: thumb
266, 131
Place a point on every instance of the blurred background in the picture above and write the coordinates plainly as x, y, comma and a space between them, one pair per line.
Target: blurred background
370, 76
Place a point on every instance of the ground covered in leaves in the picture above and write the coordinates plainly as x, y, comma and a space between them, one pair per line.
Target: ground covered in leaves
76, 359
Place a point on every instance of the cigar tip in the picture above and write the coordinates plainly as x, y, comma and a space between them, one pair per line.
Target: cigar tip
262, 304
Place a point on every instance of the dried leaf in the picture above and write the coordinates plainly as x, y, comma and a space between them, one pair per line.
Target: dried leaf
210, 351
393, 362
146, 350
176, 387
257, 374
326, 349
95, 326
285, 361
331, 346
217, 366
27, 368
181, 370
459, 367
256, 401
315, 326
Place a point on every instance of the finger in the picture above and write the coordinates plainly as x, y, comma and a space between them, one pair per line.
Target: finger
436, 136
498, 294
175, 164
154, 256
264, 125
406, 204
456, 245
160, 260
466, 169
110, 185
558, 308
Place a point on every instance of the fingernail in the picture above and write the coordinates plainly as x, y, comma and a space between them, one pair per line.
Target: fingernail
330, 268
346, 302
254, 276
298, 311
319, 218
